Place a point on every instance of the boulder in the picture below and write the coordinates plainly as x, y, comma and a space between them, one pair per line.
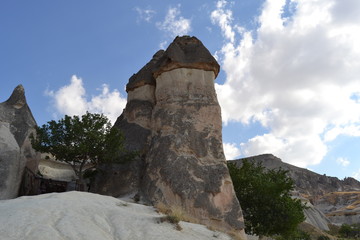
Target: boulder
173, 119
16, 125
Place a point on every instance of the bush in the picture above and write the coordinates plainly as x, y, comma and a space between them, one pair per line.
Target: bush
349, 231
323, 237
266, 201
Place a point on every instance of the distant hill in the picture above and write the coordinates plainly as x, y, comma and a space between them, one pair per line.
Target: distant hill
338, 199
308, 183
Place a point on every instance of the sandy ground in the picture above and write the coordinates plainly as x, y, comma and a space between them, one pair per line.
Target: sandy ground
87, 216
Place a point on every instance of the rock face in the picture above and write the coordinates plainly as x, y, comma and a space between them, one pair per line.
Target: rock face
108, 174
16, 125
173, 119
316, 217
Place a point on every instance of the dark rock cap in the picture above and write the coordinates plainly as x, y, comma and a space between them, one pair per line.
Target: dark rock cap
145, 75
187, 52
183, 52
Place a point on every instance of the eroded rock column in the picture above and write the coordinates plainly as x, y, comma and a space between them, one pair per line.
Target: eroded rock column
16, 125
173, 100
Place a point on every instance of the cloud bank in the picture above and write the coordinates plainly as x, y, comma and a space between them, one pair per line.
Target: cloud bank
145, 14
174, 24
71, 100
298, 74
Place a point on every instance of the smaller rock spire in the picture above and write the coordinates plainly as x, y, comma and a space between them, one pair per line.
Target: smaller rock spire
17, 98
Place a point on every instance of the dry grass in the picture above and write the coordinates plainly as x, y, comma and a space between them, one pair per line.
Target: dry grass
175, 211
122, 204
175, 214
173, 220
335, 197
341, 213
353, 205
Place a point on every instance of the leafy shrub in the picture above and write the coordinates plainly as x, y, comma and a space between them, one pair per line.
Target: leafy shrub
348, 231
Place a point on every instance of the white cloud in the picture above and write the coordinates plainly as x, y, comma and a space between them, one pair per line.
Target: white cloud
145, 14
109, 103
297, 77
174, 24
356, 175
231, 151
71, 100
163, 44
223, 17
349, 130
343, 161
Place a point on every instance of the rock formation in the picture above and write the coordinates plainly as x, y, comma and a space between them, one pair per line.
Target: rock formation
16, 125
173, 119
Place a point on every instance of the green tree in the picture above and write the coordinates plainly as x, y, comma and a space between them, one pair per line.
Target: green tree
79, 141
265, 199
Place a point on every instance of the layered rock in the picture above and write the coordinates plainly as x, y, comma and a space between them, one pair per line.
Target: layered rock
341, 207
16, 125
174, 120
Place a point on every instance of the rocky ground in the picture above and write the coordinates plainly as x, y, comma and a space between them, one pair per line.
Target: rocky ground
87, 216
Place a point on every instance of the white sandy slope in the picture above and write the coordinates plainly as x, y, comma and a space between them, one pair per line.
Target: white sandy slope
87, 216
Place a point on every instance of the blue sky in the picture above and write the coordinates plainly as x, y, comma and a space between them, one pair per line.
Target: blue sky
290, 70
